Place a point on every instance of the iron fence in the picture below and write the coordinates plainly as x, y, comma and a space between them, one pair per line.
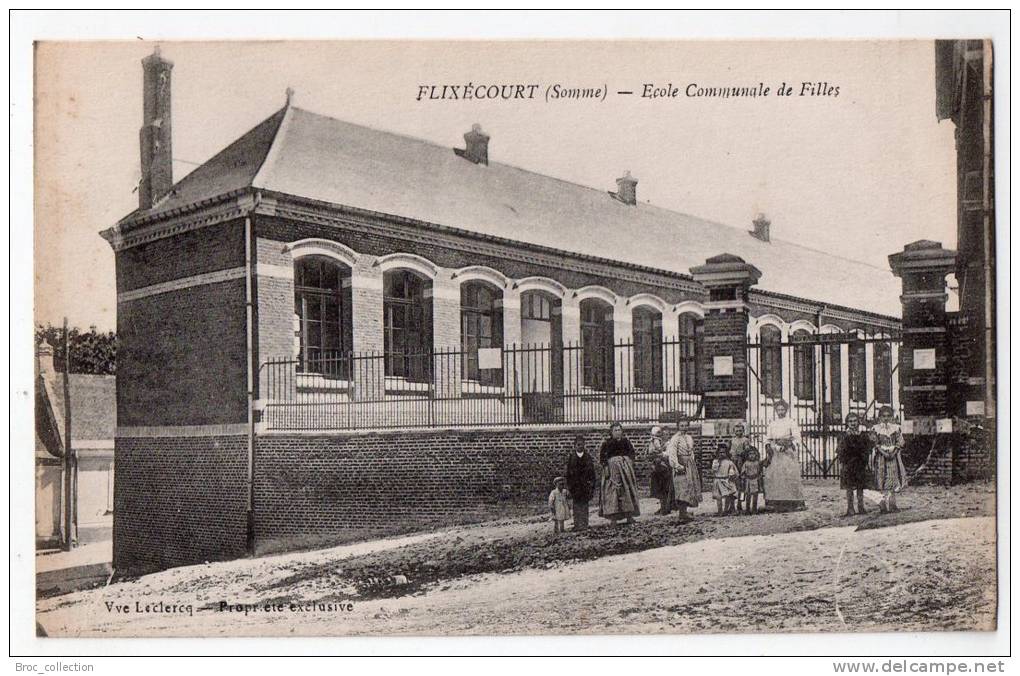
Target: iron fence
823, 376
503, 386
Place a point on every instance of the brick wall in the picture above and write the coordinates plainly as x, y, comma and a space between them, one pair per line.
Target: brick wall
208, 249
178, 501
181, 357
181, 354
322, 485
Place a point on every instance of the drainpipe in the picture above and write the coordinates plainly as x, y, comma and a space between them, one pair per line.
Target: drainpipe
249, 295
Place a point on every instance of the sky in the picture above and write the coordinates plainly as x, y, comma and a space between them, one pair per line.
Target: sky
857, 175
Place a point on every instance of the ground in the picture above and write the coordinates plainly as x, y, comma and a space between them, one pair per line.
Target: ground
931, 566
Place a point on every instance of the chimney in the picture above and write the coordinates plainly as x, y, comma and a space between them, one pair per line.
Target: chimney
476, 146
155, 135
761, 228
626, 188
44, 356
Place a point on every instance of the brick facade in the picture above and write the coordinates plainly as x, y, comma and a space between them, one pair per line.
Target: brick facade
178, 501
327, 485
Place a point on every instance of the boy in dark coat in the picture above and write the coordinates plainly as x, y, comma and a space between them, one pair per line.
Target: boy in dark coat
581, 480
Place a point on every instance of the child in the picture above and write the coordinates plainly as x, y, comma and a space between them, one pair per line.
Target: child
559, 504
738, 451
890, 474
662, 473
852, 452
750, 475
724, 474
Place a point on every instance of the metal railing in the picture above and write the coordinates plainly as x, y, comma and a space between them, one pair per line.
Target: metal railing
509, 386
823, 377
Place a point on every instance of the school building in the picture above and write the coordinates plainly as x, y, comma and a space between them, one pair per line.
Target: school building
328, 328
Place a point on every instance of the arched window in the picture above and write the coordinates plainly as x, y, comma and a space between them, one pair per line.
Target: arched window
407, 324
689, 352
771, 361
481, 327
803, 365
647, 327
883, 367
323, 307
857, 366
540, 357
597, 344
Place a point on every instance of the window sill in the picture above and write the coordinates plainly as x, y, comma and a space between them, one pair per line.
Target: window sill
316, 381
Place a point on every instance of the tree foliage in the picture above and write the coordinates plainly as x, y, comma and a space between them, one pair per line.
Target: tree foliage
92, 351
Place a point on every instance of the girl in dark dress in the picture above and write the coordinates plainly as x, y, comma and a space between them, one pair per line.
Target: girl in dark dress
662, 473
853, 451
619, 496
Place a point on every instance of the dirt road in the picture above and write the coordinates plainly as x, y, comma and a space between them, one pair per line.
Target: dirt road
811, 574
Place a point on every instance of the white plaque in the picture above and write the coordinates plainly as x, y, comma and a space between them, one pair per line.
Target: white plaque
975, 408
708, 429
722, 366
907, 426
490, 358
924, 359
944, 425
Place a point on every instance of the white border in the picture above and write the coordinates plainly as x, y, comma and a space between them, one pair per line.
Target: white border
29, 26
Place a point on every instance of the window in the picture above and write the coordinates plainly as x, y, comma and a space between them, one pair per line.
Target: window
323, 308
597, 344
407, 325
539, 359
647, 325
883, 372
690, 352
481, 326
803, 365
536, 306
771, 350
857, 365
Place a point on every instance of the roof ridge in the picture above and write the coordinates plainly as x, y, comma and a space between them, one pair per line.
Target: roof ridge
645, 204
274, 145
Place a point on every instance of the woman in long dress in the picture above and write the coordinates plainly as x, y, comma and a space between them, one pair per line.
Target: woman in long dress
887, 463
619, 496
783, 489
686, 477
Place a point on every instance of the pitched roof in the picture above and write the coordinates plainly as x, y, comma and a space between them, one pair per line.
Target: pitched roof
93, 406
308, 155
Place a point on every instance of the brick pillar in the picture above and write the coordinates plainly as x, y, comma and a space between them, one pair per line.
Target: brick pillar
446, 334
924, 354
511, 306
369, 370
724, 354
277, 337
623, 359
570, 317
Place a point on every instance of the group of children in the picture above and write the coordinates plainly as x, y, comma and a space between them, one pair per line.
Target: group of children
737, 475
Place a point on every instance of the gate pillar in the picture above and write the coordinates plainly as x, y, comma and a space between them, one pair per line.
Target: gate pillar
924, 353
724, 367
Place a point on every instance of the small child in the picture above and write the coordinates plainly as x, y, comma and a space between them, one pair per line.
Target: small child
750, 475
724, 485
559, 504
